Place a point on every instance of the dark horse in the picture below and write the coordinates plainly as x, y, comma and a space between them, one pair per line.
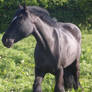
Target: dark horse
58, 45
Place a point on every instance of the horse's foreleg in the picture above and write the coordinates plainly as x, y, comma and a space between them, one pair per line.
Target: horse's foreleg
37, 83
59, 86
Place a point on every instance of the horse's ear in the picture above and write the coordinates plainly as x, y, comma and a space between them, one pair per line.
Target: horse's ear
20, 6
25, 7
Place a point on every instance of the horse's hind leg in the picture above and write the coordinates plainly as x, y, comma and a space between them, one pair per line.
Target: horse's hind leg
76, 74
38, 80
59, 86
68, 79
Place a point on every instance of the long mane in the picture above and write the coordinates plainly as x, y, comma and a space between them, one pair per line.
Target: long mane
41, 13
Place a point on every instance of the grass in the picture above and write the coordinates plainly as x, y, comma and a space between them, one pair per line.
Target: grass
17, 67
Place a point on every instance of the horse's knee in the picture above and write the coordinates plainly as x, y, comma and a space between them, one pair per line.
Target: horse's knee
59, 87
37, 85
37, 88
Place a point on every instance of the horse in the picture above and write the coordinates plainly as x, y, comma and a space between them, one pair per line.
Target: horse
58, 45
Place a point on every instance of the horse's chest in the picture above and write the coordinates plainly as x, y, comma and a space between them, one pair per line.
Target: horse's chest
45, 61
47, 65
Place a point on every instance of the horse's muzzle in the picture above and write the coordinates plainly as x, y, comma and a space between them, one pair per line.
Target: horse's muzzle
7, 42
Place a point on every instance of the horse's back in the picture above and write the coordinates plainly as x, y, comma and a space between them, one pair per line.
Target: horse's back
73, 29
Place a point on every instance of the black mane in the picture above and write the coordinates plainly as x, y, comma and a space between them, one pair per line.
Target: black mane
41, 13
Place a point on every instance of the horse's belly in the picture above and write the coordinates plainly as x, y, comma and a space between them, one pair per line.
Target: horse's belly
70, 59
70, 54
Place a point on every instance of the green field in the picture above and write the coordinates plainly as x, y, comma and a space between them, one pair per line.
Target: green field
17, 67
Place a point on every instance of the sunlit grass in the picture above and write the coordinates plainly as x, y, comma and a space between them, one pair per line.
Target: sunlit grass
17, 67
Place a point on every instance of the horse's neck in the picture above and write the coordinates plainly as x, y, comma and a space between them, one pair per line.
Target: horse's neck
44, 33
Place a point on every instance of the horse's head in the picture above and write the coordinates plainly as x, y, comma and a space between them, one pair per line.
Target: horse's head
20, 27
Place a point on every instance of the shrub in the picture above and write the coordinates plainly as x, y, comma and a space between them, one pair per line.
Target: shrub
64, 10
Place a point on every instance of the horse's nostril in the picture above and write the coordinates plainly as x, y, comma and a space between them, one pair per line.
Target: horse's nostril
7, 42
11, 40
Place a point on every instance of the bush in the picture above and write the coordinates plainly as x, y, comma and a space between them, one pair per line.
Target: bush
64, 10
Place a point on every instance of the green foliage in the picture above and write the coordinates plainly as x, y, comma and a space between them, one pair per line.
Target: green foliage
17, 67
64, 10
